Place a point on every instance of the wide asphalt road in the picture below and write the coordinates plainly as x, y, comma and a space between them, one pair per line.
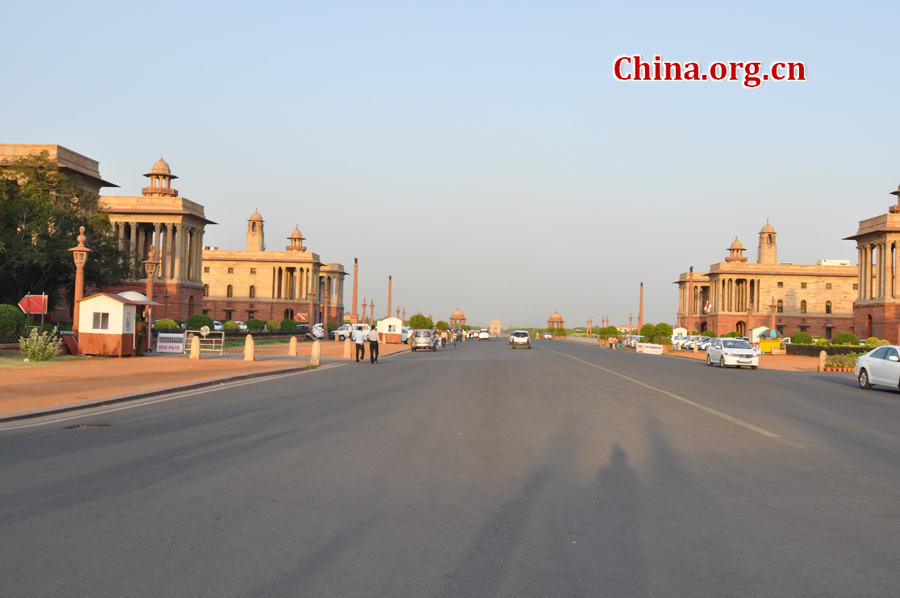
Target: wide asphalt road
565, 470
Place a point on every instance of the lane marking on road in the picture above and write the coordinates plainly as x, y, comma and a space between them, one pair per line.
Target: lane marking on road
709, 410
139, 403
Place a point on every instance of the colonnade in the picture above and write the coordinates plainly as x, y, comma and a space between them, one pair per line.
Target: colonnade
179, 248
737, 295
877, 270
295, 282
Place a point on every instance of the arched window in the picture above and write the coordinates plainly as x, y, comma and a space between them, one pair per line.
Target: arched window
803, 307
253, 227
828, 307
230, 291
206, 290
252, 291
780, 306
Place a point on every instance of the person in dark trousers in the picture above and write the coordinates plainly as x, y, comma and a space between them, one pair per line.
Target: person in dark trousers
359, 337
373, 345
140, 332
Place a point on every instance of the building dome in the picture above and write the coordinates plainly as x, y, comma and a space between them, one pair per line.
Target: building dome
736, 244
457, 315
161, 167
556, 317
768, 228
296, 234
255, 216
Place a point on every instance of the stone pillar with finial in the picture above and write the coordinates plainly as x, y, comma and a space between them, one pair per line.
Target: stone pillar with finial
80, 255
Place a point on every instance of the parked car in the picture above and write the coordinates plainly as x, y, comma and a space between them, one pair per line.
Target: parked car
424, 339
731, 351
703, 344
879, 367
318, 331
484, 335
405, 333
217, 326
241, 326
344, 332
520, 338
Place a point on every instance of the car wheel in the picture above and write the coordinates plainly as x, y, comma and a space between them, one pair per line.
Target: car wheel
721, 362
864, 380
341, 337
529, 346
413, 349
708, 361
753, 367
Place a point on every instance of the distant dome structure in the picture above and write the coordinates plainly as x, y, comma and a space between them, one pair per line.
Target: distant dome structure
768, 228
160, 181
457, 318
736, 252
296, 240
555, 321
161, 167
255, 216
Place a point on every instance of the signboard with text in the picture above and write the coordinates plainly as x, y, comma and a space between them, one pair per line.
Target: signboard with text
169, 342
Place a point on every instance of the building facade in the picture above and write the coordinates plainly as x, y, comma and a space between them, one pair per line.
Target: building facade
175, 226
271, 285
735, 295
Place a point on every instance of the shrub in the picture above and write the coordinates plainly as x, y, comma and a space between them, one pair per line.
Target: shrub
288, 324
822, 343
846, 360
332, 326
845, 338
420, 322
442, 325
708, 333
11, 317
198, 321
273, 326
40, 346
662, 331
874, 341
165, 325
230, 327
732, 334
255, 325
801, 338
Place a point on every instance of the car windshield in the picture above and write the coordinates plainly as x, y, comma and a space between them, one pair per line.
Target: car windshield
735, 344
425, 333
520, 334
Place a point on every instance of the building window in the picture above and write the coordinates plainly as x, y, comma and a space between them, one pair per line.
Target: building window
780, 306
101, 321
856, 287
205, 312
802, 285
828, 333
828, 308
803, 307
230, 291
803, 328
206, 269
827, 286
780, 285
780, 330
252, 270
227, 314
206, 290
251, 315
231, 270
252, 291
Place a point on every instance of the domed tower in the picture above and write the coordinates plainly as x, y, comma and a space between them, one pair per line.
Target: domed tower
457, 318
556, 321
768, 248
736, 253
296, 240
160, 181
256, 241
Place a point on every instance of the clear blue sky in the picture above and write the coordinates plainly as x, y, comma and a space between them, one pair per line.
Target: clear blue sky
482, 155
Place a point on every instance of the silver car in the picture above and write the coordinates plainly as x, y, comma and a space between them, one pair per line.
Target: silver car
423, 339
879, 367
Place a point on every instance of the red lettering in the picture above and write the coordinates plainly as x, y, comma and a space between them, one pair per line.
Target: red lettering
776, 71
641, 69
801, 69
670, 66
656, 75
617, 68
718, 71
692, 71
734, 67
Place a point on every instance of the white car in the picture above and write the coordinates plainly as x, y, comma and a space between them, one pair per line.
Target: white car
241, 326
731, 351
405, 333
484, 335
880, 366
520, 338
344, 332
217, 326
318, 331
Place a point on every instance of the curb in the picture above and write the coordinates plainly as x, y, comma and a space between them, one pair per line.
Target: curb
24, 415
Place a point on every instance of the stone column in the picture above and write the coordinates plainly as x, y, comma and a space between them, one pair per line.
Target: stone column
200, 255
868, 271
883, 266
121, 233
132, 246
179, 249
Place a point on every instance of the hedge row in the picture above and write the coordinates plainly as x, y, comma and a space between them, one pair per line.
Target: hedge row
814, 350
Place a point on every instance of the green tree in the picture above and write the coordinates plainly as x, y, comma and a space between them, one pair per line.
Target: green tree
662, 331
198, 321
845, 338
273, 326
255, 325
647, 330
10, 317
801, 338
40, 213
420, 322
442, 325
165, 325
288, 324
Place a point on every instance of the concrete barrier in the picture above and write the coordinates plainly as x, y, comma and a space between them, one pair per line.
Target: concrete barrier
649, 348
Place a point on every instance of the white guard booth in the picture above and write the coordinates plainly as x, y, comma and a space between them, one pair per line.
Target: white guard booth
679, 331
106, 324
390, 330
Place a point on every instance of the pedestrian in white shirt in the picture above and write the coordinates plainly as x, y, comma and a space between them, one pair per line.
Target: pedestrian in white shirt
373, 344
359, 337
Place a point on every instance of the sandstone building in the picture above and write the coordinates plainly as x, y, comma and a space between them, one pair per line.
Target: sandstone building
271, 285
735, 295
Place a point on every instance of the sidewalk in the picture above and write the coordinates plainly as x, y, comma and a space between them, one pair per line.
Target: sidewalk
81, 382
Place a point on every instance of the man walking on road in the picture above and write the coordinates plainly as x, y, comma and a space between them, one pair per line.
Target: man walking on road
373, 345
359, 337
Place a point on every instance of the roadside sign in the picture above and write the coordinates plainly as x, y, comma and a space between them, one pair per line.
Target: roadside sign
300, 317
168, 342
33, 304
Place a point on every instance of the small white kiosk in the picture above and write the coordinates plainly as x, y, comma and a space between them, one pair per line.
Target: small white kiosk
390, 330
106, 323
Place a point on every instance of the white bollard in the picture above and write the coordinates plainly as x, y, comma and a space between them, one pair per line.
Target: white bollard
249, 349
292, 350
316, 357
348, 349
195, 347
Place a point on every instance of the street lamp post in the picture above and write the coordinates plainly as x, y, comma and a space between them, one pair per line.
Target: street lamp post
150, 265
371, 312
312, 305
80, 255
325, 320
